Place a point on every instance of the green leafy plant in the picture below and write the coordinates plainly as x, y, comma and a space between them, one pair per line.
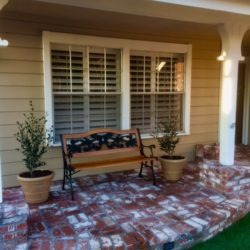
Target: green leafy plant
33, 139
167, 136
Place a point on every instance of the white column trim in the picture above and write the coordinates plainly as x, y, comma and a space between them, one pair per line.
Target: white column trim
231, 37
125, 89
246, 108
47, 82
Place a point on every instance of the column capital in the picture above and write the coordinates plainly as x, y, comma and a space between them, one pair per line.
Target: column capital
231, 37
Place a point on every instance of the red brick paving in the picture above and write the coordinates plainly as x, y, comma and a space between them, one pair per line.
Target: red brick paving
122, 211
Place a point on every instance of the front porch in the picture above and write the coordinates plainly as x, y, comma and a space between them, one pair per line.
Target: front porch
123, 211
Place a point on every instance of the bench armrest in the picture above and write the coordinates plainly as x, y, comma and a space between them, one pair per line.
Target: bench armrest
150, 147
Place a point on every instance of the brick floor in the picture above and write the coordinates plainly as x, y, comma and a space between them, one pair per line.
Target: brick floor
122, 211
13, 220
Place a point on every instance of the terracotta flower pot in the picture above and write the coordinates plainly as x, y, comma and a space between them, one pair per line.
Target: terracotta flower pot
36, 190
172, 168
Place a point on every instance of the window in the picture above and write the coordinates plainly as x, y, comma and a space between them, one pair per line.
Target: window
86, 88
96, 82
156, 89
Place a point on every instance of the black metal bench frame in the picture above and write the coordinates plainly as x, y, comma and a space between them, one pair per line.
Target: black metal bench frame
99, 142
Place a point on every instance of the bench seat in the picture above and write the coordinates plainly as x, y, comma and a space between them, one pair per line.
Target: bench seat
108, 163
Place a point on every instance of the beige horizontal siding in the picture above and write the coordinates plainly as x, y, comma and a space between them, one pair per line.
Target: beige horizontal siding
199, 138
206, 54
21, 79
8, 143
205, 64
204, 82
11, 118
204, 128
24, 54
21, 66
206, 73
7, 131
15, 156
203, 44
205, 92
205, 101
204, 119
11, 156
20, 105
11, 167
21, 92
207, 110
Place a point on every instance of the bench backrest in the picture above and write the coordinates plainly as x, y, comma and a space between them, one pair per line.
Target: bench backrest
101, 141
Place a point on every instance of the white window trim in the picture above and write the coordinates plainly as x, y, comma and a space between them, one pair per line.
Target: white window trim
126, 46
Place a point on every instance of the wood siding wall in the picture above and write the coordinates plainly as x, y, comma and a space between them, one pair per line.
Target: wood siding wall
21, 79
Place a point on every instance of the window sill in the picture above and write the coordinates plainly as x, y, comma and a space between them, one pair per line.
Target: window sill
149, 136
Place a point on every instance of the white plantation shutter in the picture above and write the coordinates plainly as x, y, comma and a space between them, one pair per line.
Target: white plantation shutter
86, 88
167, 106
141, 112
104, 111
140, 73
104, 77
157, 93
67, 70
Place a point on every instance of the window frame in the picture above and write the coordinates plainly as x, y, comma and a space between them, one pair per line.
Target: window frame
126, 47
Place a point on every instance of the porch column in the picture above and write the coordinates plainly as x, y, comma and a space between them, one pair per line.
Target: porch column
231, 37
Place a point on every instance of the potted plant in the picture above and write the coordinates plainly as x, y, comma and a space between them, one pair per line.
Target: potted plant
34, 139
167, 137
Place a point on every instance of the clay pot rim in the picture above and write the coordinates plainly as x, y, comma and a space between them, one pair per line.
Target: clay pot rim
174, 157
47, 173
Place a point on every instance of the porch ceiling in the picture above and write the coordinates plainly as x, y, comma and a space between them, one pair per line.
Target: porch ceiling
193, 11
155, 17
220, 12
82, 17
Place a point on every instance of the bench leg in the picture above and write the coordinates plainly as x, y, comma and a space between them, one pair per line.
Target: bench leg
67, 174
153, 172
140, 173
64, 177
71, 185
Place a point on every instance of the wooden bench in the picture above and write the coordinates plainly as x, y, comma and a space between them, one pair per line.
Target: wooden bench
103, 148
